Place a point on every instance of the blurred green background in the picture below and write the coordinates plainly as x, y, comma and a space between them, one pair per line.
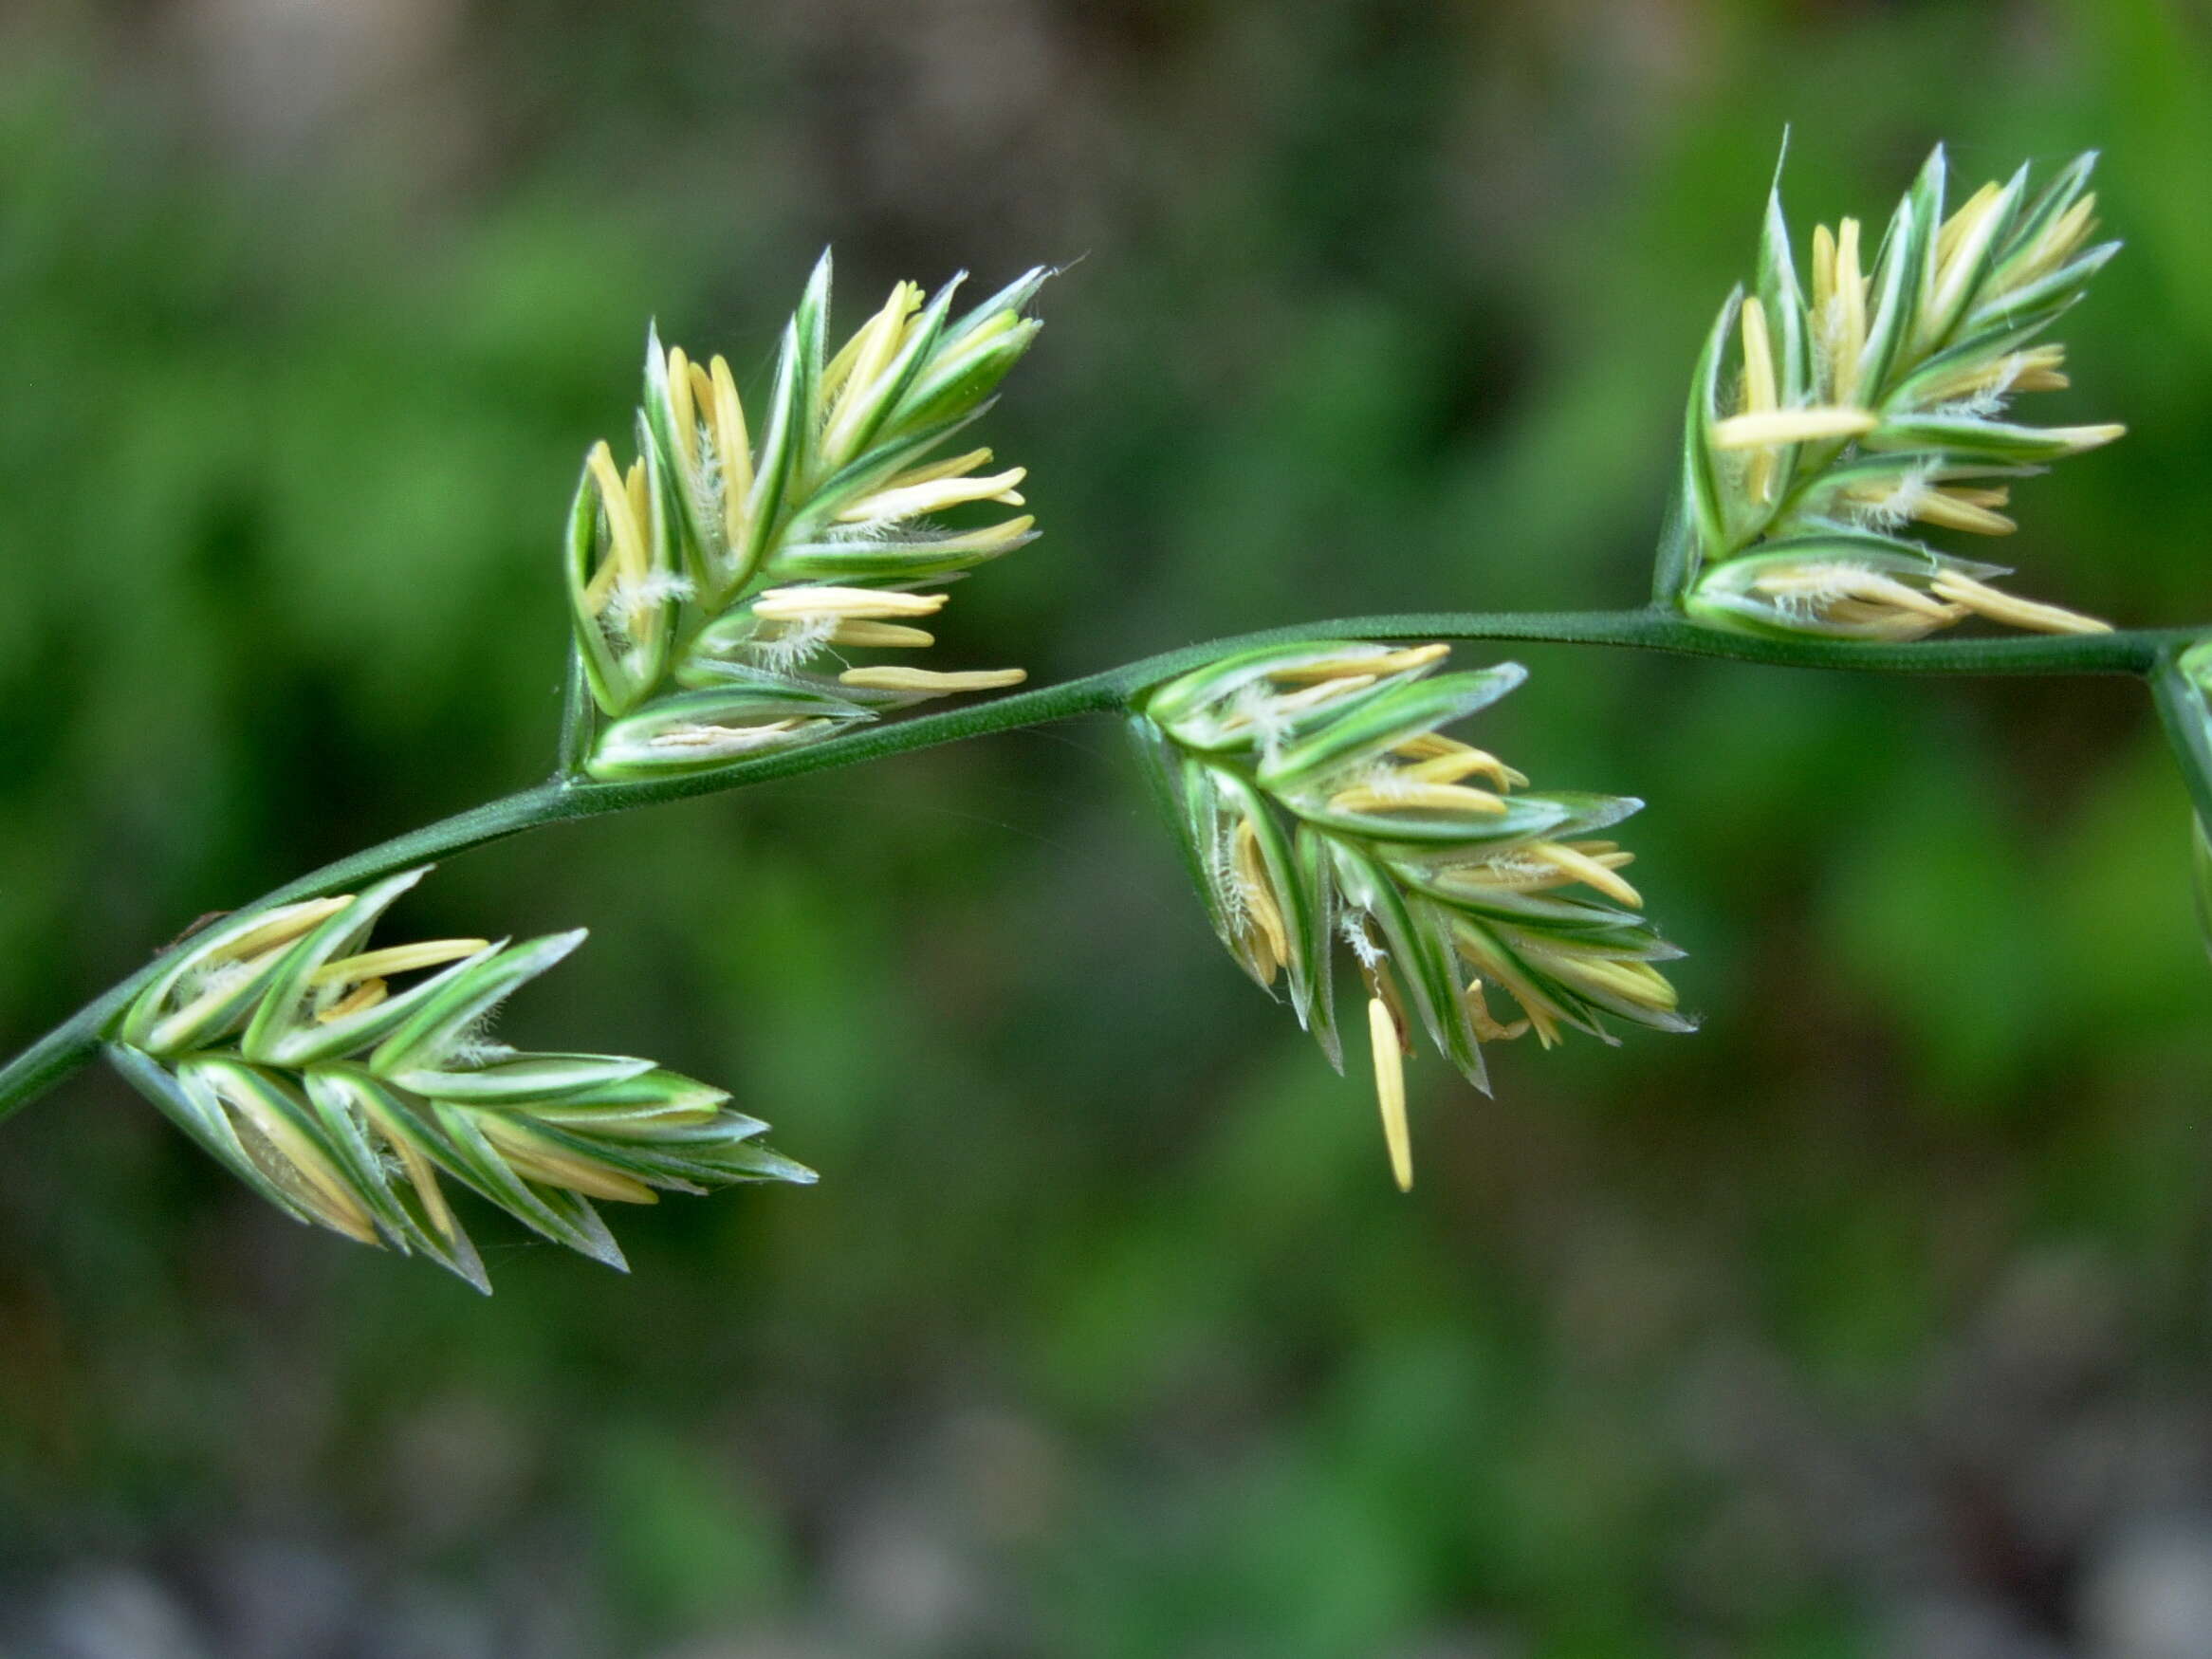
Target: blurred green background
1876, 1320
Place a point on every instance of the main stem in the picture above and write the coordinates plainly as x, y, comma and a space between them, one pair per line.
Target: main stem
70, 1044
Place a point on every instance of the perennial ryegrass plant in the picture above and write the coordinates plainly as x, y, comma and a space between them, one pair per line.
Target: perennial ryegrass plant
748, 593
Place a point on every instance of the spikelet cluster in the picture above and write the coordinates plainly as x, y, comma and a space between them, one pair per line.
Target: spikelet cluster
1830, 427
717, 583
340, 1083
1323, 811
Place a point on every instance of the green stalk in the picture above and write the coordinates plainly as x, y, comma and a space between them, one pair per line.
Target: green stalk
77, 1040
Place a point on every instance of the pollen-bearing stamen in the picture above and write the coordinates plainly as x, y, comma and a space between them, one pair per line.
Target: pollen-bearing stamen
2013, 611
803, 604
1389, 1089
932, 682
1251, 896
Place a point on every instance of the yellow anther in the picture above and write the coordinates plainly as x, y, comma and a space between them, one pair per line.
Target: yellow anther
1959, 248
889, 506
1393, 796
1522, 869
1760, 394
640, 505
296, 1165
2036, 370
1880, 622
876, 340
1971, 213
1592, 871
536, 1158
396, 959
1759, 391
954, 467
1368, 668
805, 604
732, 447
1954, 506
1838, 582
1409, 658
421, 1174
600, 588
1487, 1025
363, 996
1465, 763
280, 927
1493, 963
1990, 495
1633, 981
1389, 1089
1311, 697
881, 635
1248, 869
1790, 426
630, 558
929, 683
683, 412
703, 399
1846, 325
852, 377
2013, 611
1959, 510
2058, 242
1428, 746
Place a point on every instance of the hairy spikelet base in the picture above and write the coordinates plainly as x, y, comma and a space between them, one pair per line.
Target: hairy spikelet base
287, 1051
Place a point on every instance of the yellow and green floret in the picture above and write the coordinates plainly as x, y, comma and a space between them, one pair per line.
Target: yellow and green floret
1321, 809
1832, 422
721, 583
341, 1083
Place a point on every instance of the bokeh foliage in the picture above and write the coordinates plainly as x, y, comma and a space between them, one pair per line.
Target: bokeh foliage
1877, 1309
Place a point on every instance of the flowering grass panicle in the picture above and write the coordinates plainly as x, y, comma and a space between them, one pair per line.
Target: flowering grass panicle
1321, 806
713, 580
721, 583
339, 1082
1827, 427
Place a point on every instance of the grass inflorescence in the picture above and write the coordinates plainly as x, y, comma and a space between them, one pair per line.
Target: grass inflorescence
1831, 424
715, 581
